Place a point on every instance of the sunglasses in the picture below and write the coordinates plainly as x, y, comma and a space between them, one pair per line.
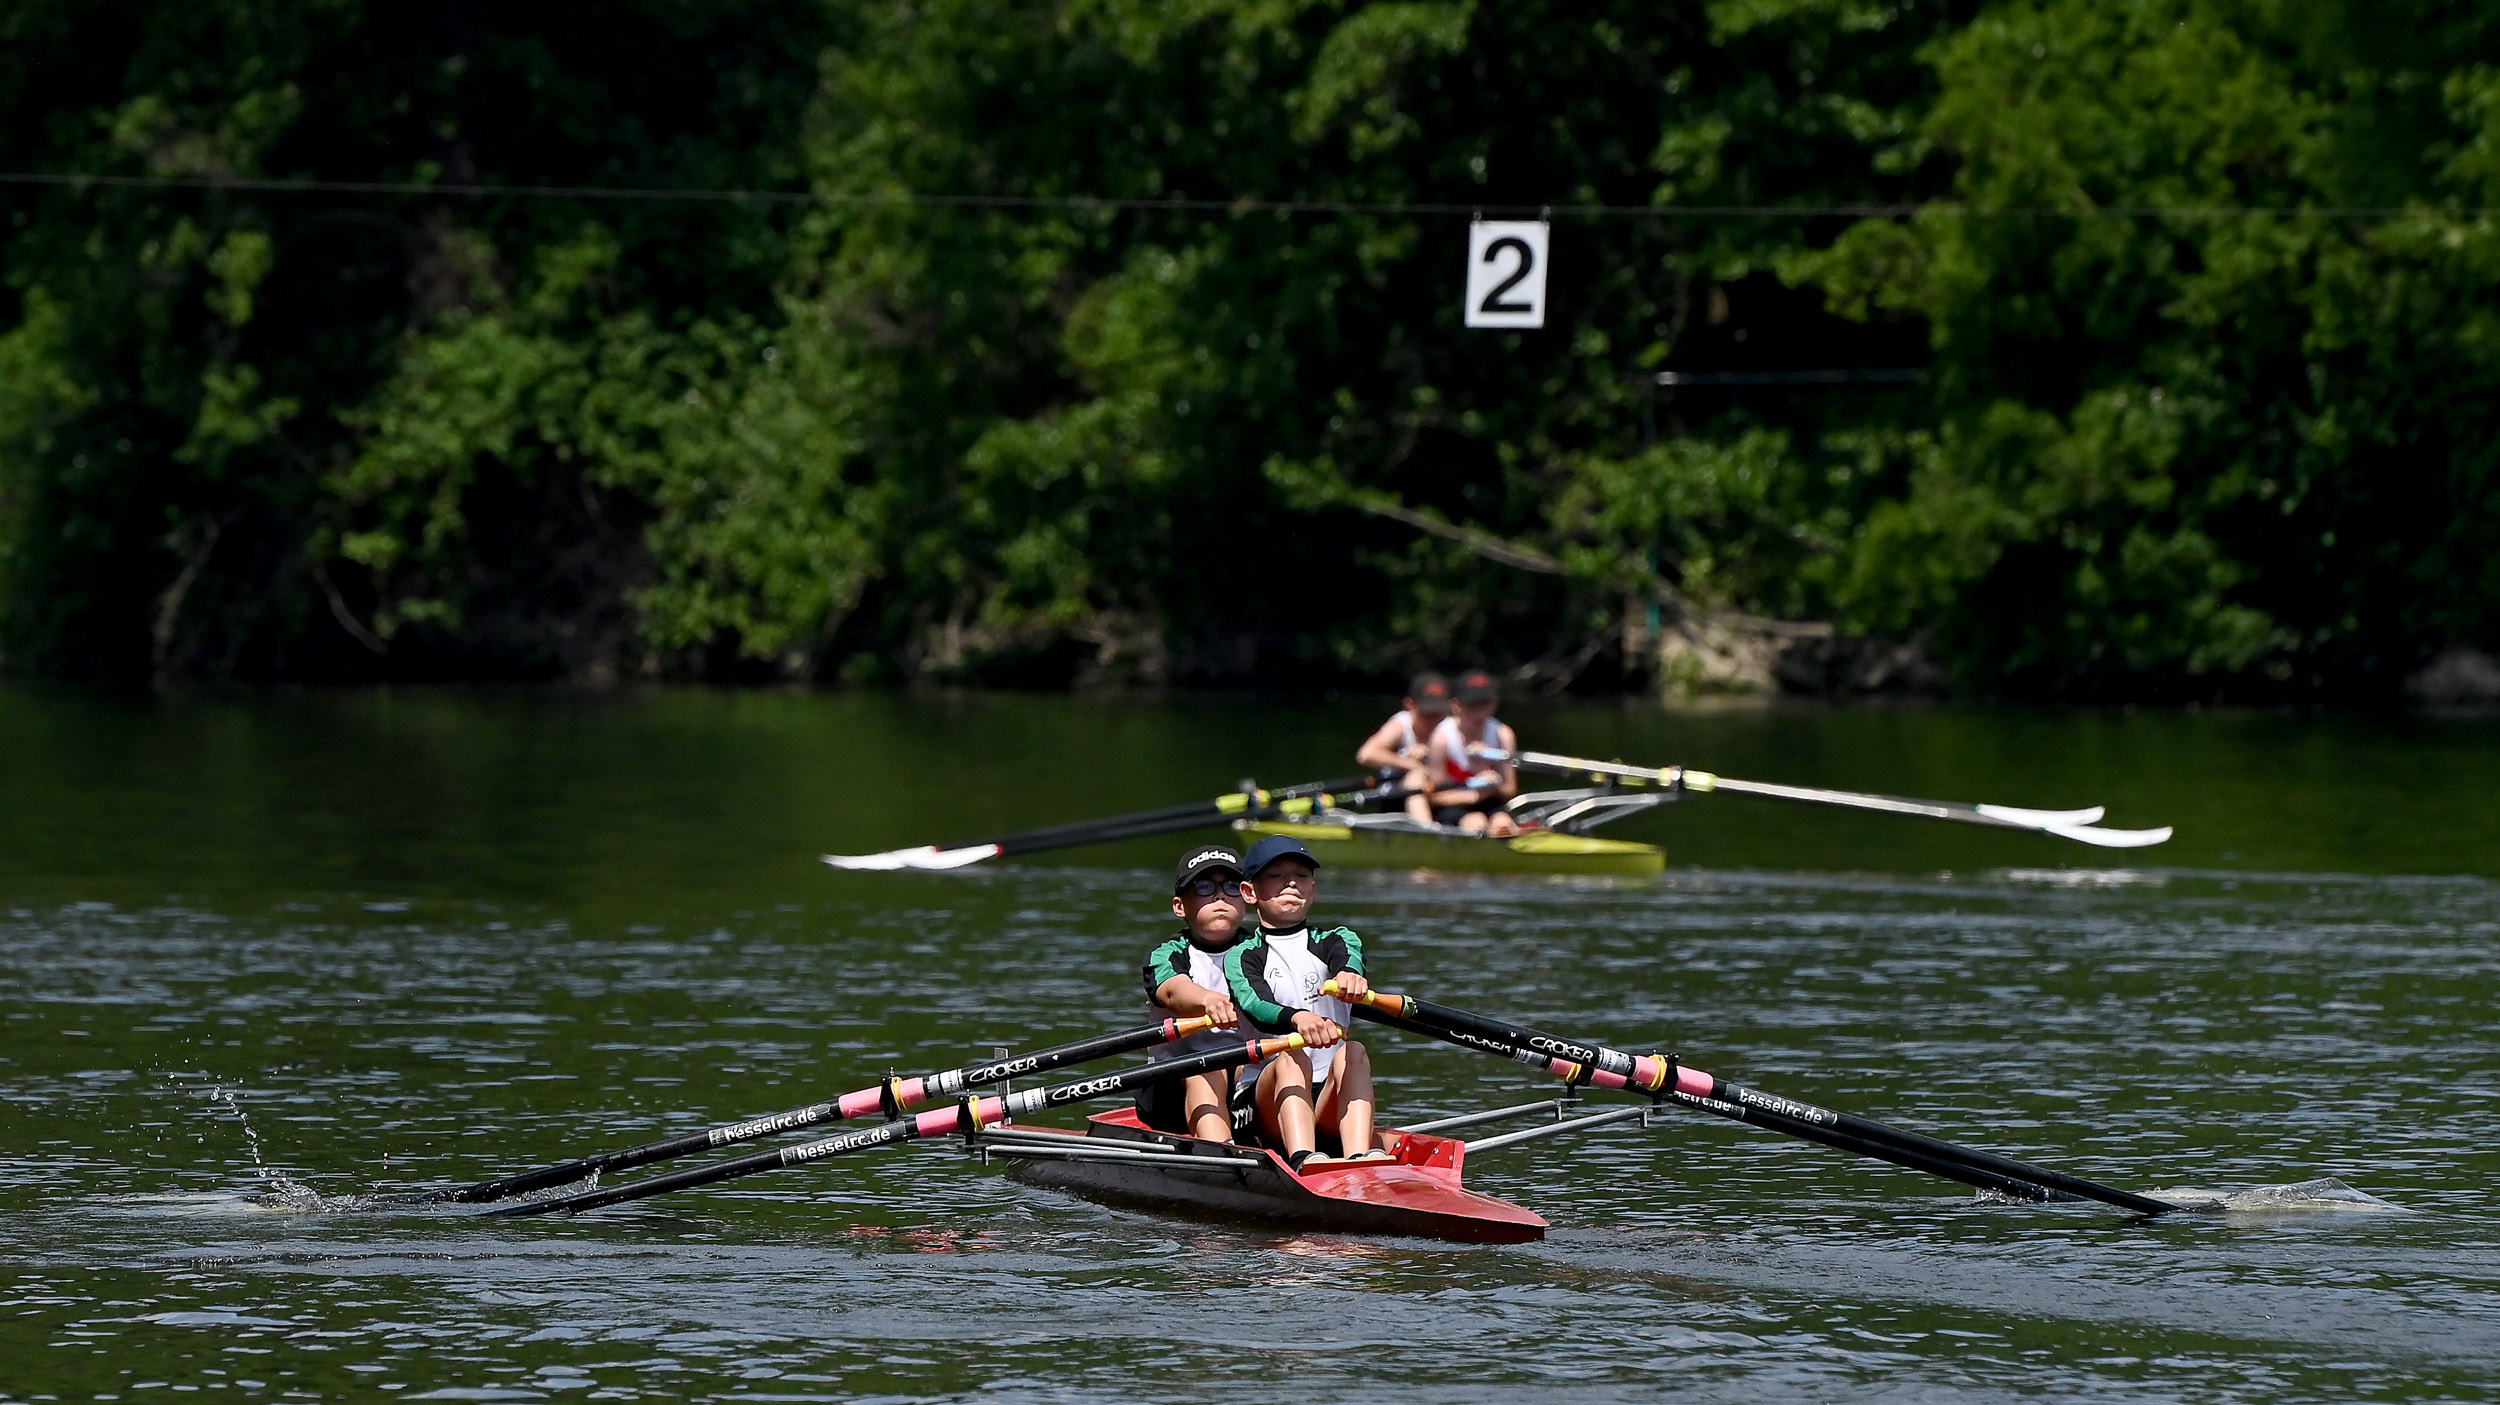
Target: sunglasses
1208, 887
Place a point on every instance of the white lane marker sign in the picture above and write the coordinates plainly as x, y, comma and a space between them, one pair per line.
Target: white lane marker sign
1506, 273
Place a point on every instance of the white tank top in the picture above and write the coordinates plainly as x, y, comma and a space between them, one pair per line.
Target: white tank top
1404, 721
1455, 745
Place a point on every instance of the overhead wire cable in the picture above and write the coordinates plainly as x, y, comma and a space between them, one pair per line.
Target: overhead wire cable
1244, 205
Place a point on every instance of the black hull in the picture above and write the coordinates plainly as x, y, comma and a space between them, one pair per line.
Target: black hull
1418, 1195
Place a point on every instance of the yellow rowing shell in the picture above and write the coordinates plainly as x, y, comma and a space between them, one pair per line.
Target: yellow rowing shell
1543, 851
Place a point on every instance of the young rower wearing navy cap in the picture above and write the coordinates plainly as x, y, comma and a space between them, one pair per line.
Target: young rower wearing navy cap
1185, 979
1275, 973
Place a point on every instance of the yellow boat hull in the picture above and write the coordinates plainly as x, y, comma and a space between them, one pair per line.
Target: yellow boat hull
1543, 851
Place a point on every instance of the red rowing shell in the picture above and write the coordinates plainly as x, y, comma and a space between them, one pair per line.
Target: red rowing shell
1417, 1194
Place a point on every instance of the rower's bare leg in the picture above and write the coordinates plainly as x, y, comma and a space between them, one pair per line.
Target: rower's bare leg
1472, 822
1348, 1100
1418, 798
1285, 1110
1500, 825
1203, 1094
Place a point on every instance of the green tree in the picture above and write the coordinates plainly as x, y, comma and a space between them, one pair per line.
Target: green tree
197, 375
2212, 313
1186, 442
1044, 385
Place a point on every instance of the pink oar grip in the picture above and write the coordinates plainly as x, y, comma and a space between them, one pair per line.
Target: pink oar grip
1695, 1082
946, 1121
863, 1103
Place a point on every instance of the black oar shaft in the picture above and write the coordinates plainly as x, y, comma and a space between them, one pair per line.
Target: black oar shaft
1083, 831
938, 1122
892, 1097
1920, 1144
1613, 1068
583, 1168
1898, 1156
1254, 803
1159, 821
884, 1134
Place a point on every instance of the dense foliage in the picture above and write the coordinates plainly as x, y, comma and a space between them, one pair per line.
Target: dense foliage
2202, 292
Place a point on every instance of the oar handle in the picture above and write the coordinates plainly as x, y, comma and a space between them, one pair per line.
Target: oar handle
1568, 1059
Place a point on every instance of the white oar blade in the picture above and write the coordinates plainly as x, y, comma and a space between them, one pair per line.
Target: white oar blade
2108, 838
880, 863
926, 857
2015, 815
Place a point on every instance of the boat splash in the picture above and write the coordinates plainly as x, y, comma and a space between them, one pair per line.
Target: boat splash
2324, 1195
284, 1193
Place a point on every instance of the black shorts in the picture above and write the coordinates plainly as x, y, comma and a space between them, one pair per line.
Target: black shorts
1160, 1105
1488, 804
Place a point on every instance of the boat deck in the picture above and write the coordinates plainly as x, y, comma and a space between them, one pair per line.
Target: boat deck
1385, 841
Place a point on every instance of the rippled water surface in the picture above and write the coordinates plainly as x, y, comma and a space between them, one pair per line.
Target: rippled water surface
262, 960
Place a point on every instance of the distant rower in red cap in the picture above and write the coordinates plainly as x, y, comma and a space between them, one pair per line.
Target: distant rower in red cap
1404, 742
1472, 789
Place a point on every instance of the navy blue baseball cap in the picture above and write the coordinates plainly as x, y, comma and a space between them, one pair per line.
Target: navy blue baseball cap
1272, 848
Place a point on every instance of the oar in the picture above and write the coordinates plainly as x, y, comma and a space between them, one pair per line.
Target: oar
2078, 825
893, 1097
1290, 800
1664, 1076
963, 1116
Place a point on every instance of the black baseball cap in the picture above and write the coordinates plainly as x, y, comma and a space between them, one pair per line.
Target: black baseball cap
1272, 848
1430, 689
1476, 685
1203, 860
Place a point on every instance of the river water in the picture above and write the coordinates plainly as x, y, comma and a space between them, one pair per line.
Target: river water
264, 958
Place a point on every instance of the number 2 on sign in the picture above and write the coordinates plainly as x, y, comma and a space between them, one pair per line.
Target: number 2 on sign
1506, 273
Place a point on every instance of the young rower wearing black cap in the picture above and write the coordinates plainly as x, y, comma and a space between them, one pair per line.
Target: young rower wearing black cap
1276, 973
1471, 789
1185, 979
1403, 744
